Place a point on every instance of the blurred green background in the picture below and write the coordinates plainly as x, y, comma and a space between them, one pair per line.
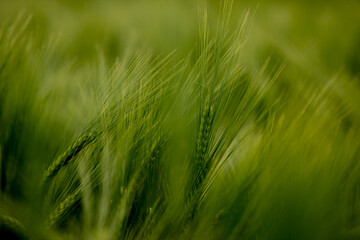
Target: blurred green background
326, 34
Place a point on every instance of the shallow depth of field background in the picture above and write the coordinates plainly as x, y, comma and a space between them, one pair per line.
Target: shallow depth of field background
325, 33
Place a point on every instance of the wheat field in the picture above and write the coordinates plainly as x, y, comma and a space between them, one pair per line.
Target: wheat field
169, 119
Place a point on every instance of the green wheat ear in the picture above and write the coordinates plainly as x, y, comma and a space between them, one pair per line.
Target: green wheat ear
203, 143
68, 155
148, 163
12, 223
201, 164
63, 207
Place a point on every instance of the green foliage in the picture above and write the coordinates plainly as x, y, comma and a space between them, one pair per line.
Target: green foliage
187, 144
